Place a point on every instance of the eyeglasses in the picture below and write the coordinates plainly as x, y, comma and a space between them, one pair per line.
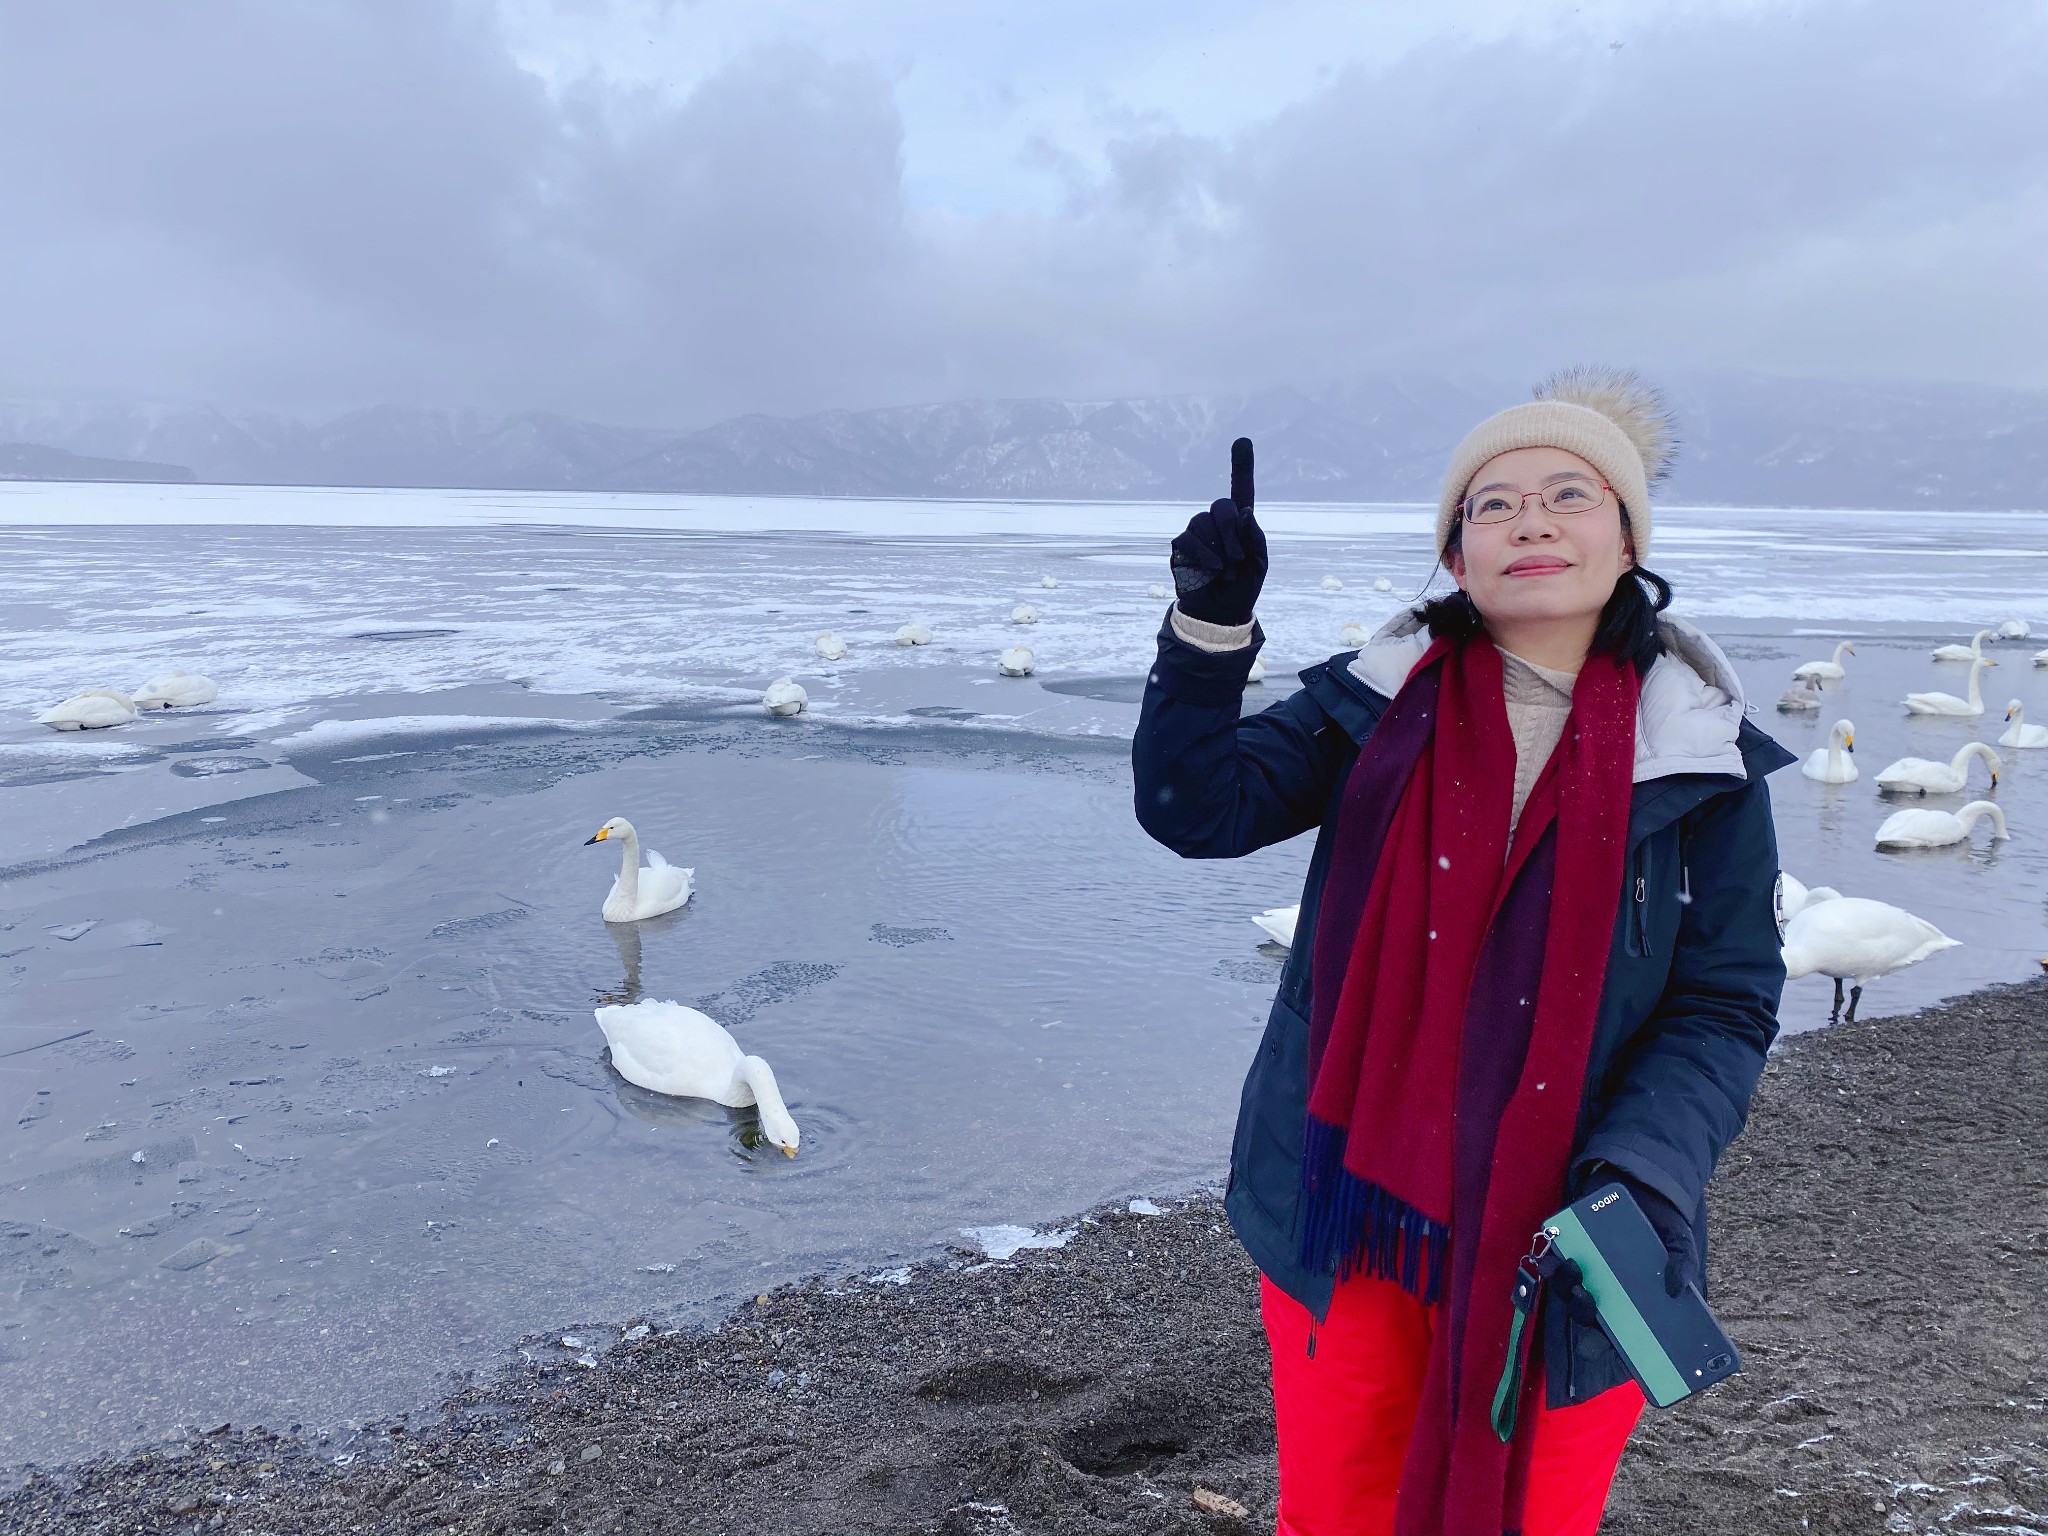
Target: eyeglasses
1566, 498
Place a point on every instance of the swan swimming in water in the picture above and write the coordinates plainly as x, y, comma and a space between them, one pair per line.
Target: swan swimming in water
2019, 733
1277, 923
1799, 699
1922, 776
1948, 703
667, 1048
1819, 672
176, 690
1832, 763
1968, 652
1856, 940
1937, 829
641, 893
93, 710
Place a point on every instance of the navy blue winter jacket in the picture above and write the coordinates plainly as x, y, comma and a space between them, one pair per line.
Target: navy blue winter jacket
1689, 1006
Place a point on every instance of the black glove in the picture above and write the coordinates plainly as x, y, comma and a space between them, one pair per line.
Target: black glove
1672, 1224
1219, 560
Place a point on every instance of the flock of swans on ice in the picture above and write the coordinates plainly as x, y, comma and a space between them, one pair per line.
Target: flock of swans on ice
670, 1049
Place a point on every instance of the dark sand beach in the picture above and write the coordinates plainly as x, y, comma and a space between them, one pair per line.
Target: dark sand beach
1880, 1253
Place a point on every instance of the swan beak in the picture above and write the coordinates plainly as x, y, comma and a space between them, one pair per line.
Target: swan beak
789, 1151
602, 834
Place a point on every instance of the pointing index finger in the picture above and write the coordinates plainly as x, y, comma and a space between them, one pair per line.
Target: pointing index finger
1241, 474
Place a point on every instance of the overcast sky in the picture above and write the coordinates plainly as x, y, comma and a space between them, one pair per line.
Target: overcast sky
665, 212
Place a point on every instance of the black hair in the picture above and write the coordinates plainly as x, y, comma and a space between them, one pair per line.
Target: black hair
1628, 622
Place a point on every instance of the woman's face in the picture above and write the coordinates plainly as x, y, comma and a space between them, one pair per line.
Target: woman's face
1541, 566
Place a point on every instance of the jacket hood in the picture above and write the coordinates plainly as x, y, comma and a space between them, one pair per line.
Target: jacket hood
1687, 717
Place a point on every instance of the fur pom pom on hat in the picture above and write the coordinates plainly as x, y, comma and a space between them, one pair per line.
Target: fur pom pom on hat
1607, 416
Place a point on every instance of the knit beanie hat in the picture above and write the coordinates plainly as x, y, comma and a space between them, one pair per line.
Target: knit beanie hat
1609, 417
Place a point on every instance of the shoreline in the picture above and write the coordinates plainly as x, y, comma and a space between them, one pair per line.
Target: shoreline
1879, 1252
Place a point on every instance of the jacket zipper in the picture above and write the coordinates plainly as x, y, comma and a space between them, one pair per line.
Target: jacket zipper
1639, 919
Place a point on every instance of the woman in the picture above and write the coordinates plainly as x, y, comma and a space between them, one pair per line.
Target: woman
1537, 951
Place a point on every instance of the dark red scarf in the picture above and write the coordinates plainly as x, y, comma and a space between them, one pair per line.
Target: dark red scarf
1454, 1005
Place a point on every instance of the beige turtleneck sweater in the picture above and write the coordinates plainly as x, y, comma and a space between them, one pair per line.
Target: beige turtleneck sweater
1539, 701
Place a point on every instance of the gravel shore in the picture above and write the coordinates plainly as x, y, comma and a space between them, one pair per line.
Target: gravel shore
1880, 1253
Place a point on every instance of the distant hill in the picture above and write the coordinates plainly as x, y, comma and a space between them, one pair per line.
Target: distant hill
1746, 440
33, 461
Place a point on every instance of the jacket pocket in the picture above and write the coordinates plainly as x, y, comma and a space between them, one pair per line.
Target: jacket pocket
1265, 1159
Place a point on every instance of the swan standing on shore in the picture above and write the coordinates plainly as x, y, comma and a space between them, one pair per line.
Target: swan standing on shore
2019, 733
1923, 776
176, 690
1818, 672
785, 697
641, 893
1795, 896
93, 710
1938, 829
1948, 703
1277, 923
667, 1048
1856, 940
1968, 652
1832, 763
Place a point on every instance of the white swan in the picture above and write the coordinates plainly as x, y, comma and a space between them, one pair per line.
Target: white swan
1355, 635
1857, 940
667, 1048
1278, 923
2019, 733
830, 646
1332, 584
785, 697
1258, 672
1937, 829
1381, 584
1798, 700
1968, 652
1155, 591
93, 710
1023, 613
2015, 629
913, 634
1017, 661
1818, 672
640, 893
1948, 703
1048, 581
2041, 658
1832, 763
175, 690
1921, 776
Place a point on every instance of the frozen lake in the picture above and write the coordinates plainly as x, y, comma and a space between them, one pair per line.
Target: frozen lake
306, 1107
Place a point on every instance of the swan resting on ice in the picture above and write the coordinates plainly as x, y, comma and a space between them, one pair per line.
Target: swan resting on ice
1354, 635
93, 710
1923, 776
1857, 940
1818, 672
1937, 829
785, 697
1332, 584
1278, 923
1258, 674
1156, 591
2019, 733
1948, 703
1048, 581
1832, 763
2015, 629
913, 634
667, 1048
1017, 661
830, 646
176, 690
1023, 613
641, 893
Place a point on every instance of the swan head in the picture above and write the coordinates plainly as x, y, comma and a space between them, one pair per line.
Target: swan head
2015, 710
618, 826
776, 1123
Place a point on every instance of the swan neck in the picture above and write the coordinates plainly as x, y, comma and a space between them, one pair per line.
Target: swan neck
1977, 684
629, 865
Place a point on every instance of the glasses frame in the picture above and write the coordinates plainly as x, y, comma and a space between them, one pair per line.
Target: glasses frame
1465, 506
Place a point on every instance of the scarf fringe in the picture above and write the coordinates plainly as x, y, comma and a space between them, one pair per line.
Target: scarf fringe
1352, 1226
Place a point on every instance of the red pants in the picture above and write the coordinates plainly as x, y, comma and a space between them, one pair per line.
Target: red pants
1345, 1413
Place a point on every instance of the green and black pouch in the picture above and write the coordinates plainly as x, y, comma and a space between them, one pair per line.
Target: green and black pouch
1671, 1344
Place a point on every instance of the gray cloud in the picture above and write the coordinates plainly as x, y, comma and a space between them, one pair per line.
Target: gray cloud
316, 205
